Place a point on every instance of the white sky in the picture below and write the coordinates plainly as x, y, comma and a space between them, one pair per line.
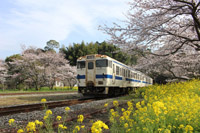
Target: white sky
34, 22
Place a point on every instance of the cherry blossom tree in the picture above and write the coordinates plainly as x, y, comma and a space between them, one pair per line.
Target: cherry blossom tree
169, 29
39, 68
3, 73
68, 76
28, 68
152, 24
56, 67
183, 65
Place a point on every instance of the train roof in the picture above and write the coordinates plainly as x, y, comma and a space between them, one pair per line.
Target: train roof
107, 57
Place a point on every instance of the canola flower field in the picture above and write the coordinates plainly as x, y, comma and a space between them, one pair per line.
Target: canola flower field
167, 108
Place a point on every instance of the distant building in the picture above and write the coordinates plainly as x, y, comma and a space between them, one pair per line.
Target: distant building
59, 83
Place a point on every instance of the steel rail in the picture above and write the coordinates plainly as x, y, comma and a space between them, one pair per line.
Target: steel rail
39, 106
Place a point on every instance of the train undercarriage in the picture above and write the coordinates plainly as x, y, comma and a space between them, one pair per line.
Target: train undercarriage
104, 91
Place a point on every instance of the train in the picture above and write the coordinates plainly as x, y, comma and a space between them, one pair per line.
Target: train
101, 75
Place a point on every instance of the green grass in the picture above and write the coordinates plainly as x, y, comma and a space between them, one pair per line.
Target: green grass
43, 89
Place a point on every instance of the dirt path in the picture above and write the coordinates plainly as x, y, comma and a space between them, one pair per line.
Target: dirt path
9, 100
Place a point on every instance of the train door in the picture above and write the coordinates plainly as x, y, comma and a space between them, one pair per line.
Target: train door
113, 75
90, 73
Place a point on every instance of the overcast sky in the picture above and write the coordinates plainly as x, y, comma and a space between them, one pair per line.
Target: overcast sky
34, 22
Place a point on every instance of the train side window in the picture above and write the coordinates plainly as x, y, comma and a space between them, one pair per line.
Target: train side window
129, 73
80, 64
113, 68
117, 70
102, 63
90, 65
110, 64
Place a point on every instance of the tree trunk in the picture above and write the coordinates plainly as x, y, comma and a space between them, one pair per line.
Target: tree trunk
36, 87
3, 87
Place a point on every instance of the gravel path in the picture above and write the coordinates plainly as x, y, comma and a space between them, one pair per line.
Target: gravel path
22, 118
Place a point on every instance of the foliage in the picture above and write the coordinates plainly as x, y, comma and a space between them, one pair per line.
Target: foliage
72, 53
13, 57
51, 45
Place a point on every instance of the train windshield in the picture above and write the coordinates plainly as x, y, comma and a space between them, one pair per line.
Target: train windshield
80, 64
102, 63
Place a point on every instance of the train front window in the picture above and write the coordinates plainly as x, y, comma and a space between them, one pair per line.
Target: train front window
80, 64
102, 63
90, 65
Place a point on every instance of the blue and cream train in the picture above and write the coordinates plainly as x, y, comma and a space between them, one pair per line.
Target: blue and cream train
101, 75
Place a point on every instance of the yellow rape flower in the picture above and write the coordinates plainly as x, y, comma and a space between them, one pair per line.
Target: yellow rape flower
80, 118
160, 129
58, 118
48, 112
128, 130
142, 103
62, 126
106, 105
20, 131
67, 109
37, 122
121, 118
167, 131
43, 100
115, 103
77, 128
181, 126
111, 110
97, 127
83, 126
31, 127
138, 105
41, 123
126, 125
11, 121
45, 117
188, 128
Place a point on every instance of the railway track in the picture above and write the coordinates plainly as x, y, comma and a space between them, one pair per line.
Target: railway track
31, 93
40, 106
